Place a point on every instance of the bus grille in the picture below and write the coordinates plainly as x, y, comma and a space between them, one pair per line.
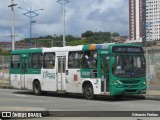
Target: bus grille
130, 81
130, 91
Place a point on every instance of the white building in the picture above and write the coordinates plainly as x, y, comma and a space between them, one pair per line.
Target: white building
135, 20
152, 20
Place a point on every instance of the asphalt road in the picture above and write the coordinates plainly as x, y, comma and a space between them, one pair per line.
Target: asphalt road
59, 102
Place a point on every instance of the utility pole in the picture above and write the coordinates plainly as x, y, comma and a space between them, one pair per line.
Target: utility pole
63, 2
13, 33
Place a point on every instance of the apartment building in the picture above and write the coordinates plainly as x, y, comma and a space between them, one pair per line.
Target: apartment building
144, 20
152, 20
135, 19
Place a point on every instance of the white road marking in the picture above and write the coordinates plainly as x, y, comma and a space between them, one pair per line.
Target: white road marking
20, 95
13, 95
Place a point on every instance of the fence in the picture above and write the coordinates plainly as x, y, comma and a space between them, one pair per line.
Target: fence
4, 67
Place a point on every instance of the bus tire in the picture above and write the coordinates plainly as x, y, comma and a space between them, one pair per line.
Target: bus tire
36, 88
88, 92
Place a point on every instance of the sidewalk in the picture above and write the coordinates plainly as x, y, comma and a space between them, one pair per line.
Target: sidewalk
150, 95
153, 95
4, 84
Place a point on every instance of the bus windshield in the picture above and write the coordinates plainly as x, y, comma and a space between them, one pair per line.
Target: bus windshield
129, 66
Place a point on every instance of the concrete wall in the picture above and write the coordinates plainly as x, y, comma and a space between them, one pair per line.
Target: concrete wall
153, 67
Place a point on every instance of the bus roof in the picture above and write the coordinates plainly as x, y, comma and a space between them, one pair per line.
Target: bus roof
96, 46
63, 49
71, 48
103, 46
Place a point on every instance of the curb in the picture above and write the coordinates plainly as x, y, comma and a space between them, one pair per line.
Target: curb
5, 87
152, 97
22, 112
147, 97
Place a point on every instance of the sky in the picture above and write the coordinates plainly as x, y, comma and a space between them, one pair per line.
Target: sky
80, 16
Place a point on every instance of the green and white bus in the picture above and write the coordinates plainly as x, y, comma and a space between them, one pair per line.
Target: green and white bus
95, 69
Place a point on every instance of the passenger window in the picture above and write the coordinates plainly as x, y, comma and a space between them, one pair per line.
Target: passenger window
49, 60
89, 59
74, 59
35, 60
15, 61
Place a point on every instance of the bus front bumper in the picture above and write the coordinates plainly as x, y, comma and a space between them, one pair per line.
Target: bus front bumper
127, 91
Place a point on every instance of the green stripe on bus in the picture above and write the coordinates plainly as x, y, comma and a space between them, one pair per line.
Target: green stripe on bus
32, 50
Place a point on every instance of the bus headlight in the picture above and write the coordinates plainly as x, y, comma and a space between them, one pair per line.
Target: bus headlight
143, 83
117, 83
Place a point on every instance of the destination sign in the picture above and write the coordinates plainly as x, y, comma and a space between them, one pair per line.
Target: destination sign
127, 49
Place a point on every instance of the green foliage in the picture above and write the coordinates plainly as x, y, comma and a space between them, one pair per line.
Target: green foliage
26, 40
4, 52
88, 37
98, 37
87, 34
77, 42
115, 34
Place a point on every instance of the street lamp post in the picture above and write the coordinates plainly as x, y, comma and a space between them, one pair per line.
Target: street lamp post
63, 2
13, 33
31, 32
30, 13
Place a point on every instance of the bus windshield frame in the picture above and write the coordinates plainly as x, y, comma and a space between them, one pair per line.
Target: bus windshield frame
129, 65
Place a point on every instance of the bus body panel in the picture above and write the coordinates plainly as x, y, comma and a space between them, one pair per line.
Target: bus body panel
15, 81
30, 78
73, 81
133, 86
48, 79
63, 78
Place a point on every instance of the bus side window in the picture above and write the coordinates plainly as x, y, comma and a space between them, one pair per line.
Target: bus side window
24, 65
15, 61
35, 60
74, 59
89, 59
15, 65
49, 60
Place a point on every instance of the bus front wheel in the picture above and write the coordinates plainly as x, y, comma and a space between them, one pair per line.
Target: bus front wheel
88, 92
36, 88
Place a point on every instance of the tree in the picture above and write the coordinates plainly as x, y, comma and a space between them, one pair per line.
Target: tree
77, 42
115, 34
4, 52
87, 34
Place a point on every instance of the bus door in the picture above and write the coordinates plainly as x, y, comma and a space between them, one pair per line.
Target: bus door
23, 70
61, 73
105, 73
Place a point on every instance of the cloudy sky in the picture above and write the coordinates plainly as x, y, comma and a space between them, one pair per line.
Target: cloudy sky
80, 16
